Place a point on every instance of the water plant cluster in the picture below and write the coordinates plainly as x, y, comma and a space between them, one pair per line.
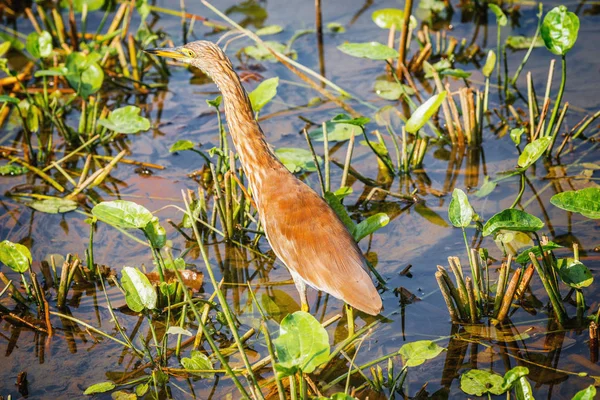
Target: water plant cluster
66, 99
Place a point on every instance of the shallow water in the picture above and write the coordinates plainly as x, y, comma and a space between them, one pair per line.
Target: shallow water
63, 366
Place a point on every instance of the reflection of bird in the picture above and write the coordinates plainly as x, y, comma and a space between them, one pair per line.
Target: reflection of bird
304, 232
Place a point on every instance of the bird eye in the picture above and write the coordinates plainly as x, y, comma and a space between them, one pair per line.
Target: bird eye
188, 52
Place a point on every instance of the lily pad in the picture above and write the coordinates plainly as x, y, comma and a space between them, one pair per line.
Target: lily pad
512, 220
387, 17
263, 93
416, 353
101, 387
478, 382
424, 112
460, 211
296, 159
585, 201
126, 120
15, 256
370, 50
84, 74
389, 90
139, 292
269, 30
123, 214
559, 30
262, 53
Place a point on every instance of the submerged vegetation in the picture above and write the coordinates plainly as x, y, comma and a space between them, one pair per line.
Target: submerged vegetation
197, 312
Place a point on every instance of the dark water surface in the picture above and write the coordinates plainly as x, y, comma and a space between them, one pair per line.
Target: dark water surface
63, 366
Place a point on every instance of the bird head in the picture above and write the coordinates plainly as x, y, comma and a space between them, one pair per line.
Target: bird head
201, 54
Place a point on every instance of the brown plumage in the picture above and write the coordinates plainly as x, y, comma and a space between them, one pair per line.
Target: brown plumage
304, 232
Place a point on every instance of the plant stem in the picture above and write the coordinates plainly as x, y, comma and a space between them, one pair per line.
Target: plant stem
561, 90
521, 191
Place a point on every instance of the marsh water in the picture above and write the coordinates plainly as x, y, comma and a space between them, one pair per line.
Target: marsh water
418, 234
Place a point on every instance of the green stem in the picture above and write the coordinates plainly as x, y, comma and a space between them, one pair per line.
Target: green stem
521, 191
561, 90
558, 311
293, 391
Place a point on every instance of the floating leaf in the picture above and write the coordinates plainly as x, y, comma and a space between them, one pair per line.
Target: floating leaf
181, 145
523, 257
303, 344
126, 120
533, 151
387, 17
84, 74
490, 63
296, 159
336, 27
370, 50
585, 201
512, 220
370, 225
513, 375
478, 382
123, 214
141, 389
139, 292
54, 205
12, 170
262, 53
197, 361
523, 42
391, 90
500, 16
123, 395
92, 5
263, 93
269, 30
515, 135
586, 394
487, 187
559, 30
336, 132
574, 273
15, 256
39, 45
460, 211
416, 353
99, 388
424, 112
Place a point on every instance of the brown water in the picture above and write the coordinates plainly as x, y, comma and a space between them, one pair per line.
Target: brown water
64, 365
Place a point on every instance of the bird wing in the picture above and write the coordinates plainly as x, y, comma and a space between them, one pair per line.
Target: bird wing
307, 235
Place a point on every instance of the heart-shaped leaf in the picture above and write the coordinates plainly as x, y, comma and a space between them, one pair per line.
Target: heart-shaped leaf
84, 74
478, 382
370, 50
513, 375
139, 292
460, 211
126, 120
585, 201
15, 256
559, 30
533, 151
123, 214
197, 361
263, 93
416, 353
424, 112
39, 45
512, 220
181, 145
155, 233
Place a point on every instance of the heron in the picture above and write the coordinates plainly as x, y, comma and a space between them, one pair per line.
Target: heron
302, 229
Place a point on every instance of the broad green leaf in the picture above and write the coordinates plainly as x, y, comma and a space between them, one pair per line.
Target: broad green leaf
92, 5
533, 151
303, 344
181, 145
387, 17
176, 330
515, 135
416, 353
344, 119
523, 42
123, 214
336, 132
84, 74
335, 203
500, 16
523, 257
55, 205
269, 30
389, 90
478, 382
123, 395
100, 388
39, 45
296, 159
141, 389
198, 361
559, 30
513, 375
12, 170
424, 112
574, 273
586, 394
490, 63
585, 201
139, 292
155, 233
370, 50
263, 93
261, 53
15, 256
512, 220
370, 225
125, 120
487, 187
460, 211
336, 27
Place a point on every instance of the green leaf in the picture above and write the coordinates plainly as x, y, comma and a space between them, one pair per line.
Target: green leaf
139, 292
93, 5
559, 30
513, 375
141, 389
585, 201
263, 93
84, 74
261, 53
424, 112
335, 203
523, 389
4, 47
269, 30
123, 395
533, 151
125, 120
478, 382
155, 233
296, 159
181, 145
12, 170
512, 220
4, 98
39, 45
336, 27
455, 72
460, 211
370, 50
387, 17
123, 214
490, 63
487, 187
58, 71
99, 388
515, 135
391, 90
15, 256
416, 353
586, 394
55, 205
216, 102
336, 132
176, 330
197, 361
523, 257
370, 225
574, 273
523, 42
500, 16
303, 344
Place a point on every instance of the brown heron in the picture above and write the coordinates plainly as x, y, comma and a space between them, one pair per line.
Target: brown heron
304, 232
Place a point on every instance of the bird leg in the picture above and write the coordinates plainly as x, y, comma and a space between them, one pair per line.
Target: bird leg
301, 288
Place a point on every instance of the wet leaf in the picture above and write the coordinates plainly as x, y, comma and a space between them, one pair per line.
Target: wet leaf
341, 396
533, 151
39, 45
523, 389
336, 132
55, 205
424, 112
296, 159
523, 257
125, 120
523, 42
500, 16
12, 170
513, 375
487, 187
4, 98
512, 220
574, 273
460, 211
123, 214
430, 215
344, 119
155, 233
139, 292
99, 388
123, 395
515, 135
586, 394
84, 74
261, 53
559, 30
490, 64
181, 145
391, 90
141, 389
585, 201
477, 382
4, 47
269, 30
303, 344
197, 361
370, 225
15, 256
336, 27
387, 17
416, 353
93, 5
455, 72
263, 93
370, 50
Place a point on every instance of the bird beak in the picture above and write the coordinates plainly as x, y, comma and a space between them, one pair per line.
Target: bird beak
170, 52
